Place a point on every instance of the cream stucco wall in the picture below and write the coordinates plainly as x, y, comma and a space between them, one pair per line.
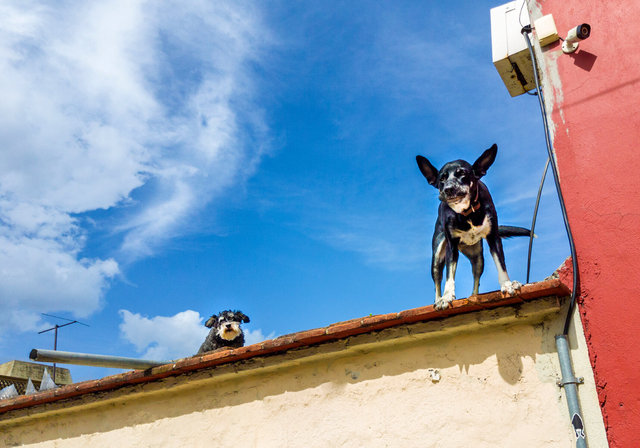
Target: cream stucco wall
486, 379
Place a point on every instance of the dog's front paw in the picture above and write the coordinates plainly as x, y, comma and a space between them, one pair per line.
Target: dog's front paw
510, 287
443, 302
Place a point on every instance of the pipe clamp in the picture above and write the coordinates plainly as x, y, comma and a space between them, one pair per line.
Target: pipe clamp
576, 381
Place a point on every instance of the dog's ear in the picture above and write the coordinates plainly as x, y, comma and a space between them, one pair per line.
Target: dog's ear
428, 171
211, 321
244, 318
483, 163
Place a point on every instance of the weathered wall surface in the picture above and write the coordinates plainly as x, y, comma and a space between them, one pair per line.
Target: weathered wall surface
594, 96
496, 387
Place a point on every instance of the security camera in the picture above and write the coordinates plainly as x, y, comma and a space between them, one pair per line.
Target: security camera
576, 34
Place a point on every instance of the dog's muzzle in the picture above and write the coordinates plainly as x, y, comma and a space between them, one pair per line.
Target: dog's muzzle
453, 193
229, 331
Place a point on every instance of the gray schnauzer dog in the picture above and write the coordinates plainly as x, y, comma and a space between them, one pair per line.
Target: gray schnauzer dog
225, 331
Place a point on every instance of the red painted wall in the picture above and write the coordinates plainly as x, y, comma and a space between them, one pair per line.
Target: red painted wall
596, 113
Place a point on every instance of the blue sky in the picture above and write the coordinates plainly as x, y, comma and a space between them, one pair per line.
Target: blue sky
163, 162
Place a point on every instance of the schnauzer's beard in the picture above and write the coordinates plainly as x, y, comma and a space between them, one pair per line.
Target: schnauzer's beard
229, 330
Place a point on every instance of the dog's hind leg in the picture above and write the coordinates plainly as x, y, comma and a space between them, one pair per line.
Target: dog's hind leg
506, 285
476, 257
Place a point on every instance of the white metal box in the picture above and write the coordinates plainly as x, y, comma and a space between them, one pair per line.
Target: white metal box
546, 30
509, 48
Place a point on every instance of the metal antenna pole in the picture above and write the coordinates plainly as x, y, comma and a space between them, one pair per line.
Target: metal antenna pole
55, 337
55, 347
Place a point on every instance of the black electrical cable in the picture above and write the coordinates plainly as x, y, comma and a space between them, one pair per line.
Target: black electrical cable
535, 217
520, 14
554, 169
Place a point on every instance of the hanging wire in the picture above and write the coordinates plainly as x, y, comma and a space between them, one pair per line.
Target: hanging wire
574, 260
535, 217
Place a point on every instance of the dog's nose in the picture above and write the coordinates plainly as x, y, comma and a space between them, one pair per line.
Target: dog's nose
448, 190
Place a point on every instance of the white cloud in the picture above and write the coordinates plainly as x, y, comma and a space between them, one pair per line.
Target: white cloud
40, 270
255, 336
171, 337
164, 338
101, 99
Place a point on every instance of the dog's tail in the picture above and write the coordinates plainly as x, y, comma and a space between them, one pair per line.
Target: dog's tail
509, 231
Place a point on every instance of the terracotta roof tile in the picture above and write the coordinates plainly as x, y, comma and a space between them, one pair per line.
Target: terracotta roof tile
334, 332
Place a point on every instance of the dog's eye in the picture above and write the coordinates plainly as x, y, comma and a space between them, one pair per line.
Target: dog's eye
460, 173
443, 178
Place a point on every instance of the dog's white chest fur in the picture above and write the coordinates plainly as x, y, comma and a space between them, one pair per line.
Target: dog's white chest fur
475, 233
460, 206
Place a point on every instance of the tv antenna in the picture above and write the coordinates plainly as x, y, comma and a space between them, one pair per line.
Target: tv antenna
55, 338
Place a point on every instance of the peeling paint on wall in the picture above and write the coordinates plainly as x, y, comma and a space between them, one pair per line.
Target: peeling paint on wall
597, 128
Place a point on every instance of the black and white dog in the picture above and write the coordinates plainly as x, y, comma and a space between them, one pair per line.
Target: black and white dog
225, 331
466, 215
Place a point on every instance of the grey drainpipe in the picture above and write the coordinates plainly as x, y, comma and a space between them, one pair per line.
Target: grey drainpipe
570, 384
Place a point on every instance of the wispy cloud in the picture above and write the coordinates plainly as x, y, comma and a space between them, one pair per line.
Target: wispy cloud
388, 241
101, 100
380, 225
